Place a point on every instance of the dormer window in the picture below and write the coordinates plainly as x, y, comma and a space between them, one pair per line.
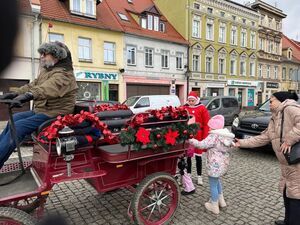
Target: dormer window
83, 7
123, 16
152, 22
290, 54
129, 1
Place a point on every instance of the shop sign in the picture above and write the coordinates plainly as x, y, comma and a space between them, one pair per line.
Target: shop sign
272, 85
242, 83
216, 85
96, 75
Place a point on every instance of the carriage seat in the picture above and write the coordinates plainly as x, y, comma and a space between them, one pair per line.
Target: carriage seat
115, 120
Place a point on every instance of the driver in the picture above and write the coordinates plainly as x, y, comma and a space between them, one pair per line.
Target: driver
53, 93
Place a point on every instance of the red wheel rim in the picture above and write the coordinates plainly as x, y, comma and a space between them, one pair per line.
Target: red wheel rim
8, 221
158, 202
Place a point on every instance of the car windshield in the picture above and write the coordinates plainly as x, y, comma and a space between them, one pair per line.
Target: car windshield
265, 107
131, 101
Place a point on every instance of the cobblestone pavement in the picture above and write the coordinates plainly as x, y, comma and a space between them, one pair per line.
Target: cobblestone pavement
250, 189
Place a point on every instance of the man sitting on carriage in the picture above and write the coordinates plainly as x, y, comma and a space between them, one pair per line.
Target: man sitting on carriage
53, 93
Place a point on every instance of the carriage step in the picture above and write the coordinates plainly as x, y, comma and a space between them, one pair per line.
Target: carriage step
77, 176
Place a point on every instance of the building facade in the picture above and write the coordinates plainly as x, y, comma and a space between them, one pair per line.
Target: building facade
154, 53
24, 66
95, 41
290, 64
223, 45
270, 49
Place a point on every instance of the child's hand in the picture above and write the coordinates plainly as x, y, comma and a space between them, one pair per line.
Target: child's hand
193, 141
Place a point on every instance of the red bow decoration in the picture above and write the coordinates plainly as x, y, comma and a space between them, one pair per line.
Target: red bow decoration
107, 107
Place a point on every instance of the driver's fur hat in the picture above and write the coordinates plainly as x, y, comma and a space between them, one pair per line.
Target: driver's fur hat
56, 49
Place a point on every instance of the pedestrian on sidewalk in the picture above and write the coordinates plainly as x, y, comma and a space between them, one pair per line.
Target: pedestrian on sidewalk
201, 116
53, 93
283, 102
218, 144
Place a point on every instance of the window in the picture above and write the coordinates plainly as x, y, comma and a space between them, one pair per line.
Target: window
270, 22
90, 7
196, 5
260, 70
276, 72
277, 26
222, 33
290, 74
268, 71
179, 60
233, 38
233, 67
221, 66
156, 23
161, 27
209, 10
244, 21
208, 64
243, 68
196, 67
164, 59
56, 37
276, 51
143, 102
76, 5
234, 18
196, 27
144, 22
210, 30
252, 69
85, 49
229, 102
222, 14
123, 16
109, 52
244, 38
150, 22
283, 73
252, 40
214, 104
131, 55
269, 46
148, 57
261, 44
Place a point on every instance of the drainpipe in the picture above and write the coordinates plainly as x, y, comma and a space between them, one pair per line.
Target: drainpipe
188, 51
32, 47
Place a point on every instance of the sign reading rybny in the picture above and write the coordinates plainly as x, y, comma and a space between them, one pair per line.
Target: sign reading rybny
91, 75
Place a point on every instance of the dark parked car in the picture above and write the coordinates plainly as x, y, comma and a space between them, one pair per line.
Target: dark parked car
88, 105
252, 123
227, 106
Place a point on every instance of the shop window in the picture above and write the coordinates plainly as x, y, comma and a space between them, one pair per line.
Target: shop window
88, 91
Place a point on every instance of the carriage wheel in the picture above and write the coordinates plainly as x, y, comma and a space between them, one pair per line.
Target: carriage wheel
11, 216
28, 204
156, 199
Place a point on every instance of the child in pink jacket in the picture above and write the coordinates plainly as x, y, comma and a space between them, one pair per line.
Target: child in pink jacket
218, 144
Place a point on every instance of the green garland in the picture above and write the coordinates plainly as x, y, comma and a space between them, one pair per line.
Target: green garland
157, 136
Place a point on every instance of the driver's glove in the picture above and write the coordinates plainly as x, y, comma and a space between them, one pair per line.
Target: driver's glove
21, 99
9, 95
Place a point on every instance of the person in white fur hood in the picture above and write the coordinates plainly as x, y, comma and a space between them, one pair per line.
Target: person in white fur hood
218, 144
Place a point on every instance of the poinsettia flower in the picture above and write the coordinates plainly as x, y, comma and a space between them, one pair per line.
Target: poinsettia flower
142, 135
171, 136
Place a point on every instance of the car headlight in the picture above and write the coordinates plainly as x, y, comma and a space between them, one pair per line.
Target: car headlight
236, 122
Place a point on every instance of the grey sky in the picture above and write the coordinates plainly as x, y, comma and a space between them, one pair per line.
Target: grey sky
291, 24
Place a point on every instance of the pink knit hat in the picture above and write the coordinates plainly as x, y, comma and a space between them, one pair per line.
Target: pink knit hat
216, 122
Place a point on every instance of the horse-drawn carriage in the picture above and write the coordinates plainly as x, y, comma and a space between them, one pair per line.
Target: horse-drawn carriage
138, 152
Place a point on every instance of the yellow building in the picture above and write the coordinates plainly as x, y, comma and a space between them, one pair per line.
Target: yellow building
223, 45
96, 45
